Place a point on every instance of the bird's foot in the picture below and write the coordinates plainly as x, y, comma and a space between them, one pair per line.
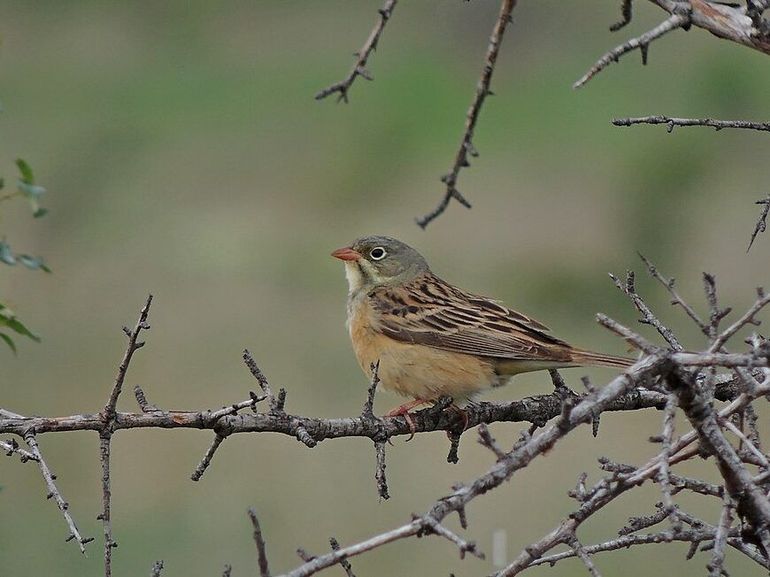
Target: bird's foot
403, 411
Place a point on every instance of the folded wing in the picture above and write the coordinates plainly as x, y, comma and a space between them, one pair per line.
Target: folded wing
431, 312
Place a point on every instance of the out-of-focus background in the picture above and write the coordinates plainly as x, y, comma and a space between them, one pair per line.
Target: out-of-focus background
185, 156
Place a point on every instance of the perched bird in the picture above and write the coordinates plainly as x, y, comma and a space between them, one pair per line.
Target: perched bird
432, 339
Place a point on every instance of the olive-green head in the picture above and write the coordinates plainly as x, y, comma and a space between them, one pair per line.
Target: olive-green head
373, 261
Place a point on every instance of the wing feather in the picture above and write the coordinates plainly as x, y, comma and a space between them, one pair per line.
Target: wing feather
432, 312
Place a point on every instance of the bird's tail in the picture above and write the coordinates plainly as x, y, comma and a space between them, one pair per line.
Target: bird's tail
590, 358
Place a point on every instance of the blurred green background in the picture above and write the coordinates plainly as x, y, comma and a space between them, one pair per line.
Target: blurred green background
185, 156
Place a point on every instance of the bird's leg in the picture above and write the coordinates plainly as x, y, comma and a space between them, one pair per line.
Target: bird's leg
403, 411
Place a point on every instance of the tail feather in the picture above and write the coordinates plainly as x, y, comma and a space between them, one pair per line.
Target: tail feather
590, 358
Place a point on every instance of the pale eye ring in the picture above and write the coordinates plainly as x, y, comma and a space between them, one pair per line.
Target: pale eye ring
377, 253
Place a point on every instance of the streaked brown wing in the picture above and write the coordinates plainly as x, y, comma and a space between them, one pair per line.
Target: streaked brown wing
431, 312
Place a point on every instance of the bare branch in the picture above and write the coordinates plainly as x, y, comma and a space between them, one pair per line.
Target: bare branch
747, 318
629, 289
716, 566
11, 447
107, 418
581, 553
131, 348
343, 562
520, 457
534, 409
54, 493
472, 116
677, 20
362, 56
664, 476
379, 474
676, 299
463, 545
368, 410
207, 457
625, 11
261, 379
761, 225
626, 541
259, 541
671, 122
487, 440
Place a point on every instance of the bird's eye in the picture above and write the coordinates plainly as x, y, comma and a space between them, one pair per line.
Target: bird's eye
377, 253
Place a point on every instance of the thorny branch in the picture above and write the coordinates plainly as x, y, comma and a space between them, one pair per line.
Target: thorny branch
471, 118
107, 418
642, 43
641, 386
362, 56
744, 25
672, 122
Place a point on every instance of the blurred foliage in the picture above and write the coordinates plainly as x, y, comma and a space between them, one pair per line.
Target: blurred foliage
27, 189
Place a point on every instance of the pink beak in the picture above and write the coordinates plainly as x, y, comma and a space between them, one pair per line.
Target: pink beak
346, 253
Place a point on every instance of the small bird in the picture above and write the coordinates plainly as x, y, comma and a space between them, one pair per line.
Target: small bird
432, 339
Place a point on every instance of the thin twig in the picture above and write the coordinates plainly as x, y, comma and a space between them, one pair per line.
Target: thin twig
642, 42
716, 565
335, 545
581, 553
131, 348
471, 118
11, 447
664, 476
362, 56
629, 289
379, 474
487, 440
207, 457
55, 494
761, 225
257, 373
676, 299
747, 318
259, 541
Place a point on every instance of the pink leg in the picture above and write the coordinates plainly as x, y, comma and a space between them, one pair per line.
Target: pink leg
403, 411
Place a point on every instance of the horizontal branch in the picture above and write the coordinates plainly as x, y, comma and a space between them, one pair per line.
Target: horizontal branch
671, 122
536, 409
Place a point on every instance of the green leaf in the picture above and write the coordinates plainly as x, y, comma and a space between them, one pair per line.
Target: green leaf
8, 341
28, 188
6, 255
25, 170
8, 319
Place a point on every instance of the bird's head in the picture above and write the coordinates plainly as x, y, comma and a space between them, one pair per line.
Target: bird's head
374, 261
